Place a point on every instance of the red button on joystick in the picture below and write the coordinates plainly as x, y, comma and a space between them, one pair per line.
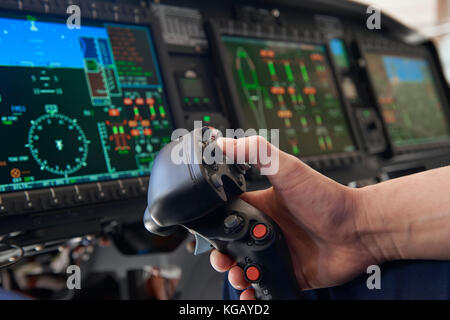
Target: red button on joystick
252, 274
259, 231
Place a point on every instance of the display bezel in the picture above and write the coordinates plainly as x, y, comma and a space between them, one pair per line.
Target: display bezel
215, 33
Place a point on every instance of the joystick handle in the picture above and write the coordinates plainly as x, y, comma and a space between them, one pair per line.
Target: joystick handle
204, 198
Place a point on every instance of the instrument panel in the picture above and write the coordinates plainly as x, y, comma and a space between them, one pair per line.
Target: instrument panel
83, 112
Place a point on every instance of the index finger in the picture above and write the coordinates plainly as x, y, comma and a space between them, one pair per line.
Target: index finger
220, 262
256, 150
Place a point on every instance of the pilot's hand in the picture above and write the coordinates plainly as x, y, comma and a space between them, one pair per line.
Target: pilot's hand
317, 216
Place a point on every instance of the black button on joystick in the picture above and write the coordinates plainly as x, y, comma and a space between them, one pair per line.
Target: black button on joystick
232, 223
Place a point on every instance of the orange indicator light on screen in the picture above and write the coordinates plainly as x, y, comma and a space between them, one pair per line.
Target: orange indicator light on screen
114, 112
132, 123
316, 57
309, 90
148, 132
266, 53
284, 113
277, 90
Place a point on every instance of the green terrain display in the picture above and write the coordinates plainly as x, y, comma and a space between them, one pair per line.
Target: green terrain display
289, 86
408, 98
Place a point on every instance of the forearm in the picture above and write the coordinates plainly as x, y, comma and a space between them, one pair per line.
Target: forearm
408, 217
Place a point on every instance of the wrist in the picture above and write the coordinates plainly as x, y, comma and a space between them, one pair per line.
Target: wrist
375, 232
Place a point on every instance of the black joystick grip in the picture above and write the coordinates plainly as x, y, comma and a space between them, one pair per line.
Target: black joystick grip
204, 198
258, 245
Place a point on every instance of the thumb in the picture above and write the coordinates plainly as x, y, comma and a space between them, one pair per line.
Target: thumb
265, 201
259, 199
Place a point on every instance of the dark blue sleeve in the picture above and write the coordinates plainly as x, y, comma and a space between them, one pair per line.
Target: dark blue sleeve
9, 295
401, 280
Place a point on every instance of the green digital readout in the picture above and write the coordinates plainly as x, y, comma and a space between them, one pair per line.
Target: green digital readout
289, 86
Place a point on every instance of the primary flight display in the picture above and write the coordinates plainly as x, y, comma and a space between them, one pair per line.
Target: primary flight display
80, 105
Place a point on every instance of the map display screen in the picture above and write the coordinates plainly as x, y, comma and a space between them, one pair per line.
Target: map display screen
409, 100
